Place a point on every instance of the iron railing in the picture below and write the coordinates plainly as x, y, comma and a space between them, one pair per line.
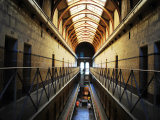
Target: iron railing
24, 91
137, 90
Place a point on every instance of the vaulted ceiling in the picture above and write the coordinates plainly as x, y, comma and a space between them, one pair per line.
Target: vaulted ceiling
86, 20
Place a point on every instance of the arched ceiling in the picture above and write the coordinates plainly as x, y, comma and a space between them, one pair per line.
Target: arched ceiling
86, 20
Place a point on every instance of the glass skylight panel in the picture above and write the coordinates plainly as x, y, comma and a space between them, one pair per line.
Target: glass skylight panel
80, 37
69, 1
92, 29
93, 17
91, 33
77, 8
79, 23
93, 24
72, 1
78, 17
85, 31
101, 2
86, 36
95, 9
84, 40
83, 25
89, 40
80, 28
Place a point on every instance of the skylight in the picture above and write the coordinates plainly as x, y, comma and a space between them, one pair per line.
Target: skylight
78, 17
79, 23
93, 24
95, 9
77, 9
85, 26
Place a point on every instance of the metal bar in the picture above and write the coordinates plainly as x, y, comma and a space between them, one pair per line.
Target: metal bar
142, 93
36, 108
131, 88
116, 84
51, 81
37, 86
120, 82
4, 90
43, 84
48, 81
40, 98
125, 86
15, 97
19, 77
33, 82
49, 90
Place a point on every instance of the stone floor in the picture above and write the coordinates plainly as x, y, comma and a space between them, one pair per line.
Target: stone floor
82, 113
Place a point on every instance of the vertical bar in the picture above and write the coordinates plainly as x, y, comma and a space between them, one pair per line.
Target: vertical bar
120, 82
48, 82
15, 94
131, 87
37, 86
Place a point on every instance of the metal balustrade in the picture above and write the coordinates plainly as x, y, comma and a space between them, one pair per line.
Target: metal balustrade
136, 91
26, 90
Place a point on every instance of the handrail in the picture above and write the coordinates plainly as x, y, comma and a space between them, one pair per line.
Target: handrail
8, 68
129, 69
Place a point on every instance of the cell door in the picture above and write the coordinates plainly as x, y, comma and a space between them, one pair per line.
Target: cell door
157, 67
10, 60
26, 71
143, 66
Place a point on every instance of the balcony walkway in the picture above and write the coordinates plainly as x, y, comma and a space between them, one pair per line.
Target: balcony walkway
100, 108
82, 113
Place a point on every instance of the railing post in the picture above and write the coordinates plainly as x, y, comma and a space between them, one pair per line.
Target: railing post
15, 95
131, 88
37, 85
120, 82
